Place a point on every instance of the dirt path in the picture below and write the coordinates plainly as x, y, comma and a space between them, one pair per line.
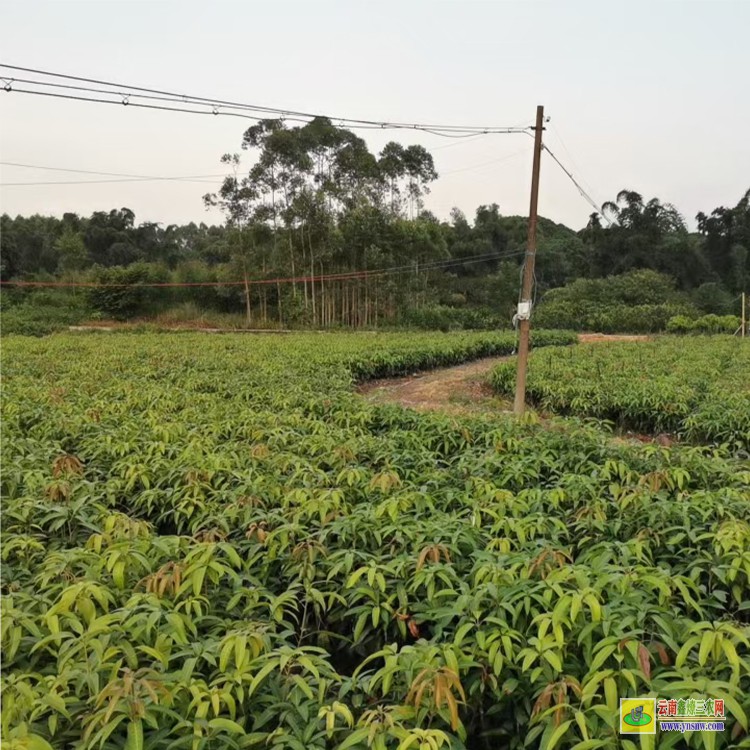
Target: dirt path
175, 329
595, 338
458, 389
452, 389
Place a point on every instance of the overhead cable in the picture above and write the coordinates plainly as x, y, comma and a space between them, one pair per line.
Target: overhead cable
583, 193
126, 93
344, 276
45, 168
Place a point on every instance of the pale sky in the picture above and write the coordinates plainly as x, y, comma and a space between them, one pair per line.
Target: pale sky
650, 96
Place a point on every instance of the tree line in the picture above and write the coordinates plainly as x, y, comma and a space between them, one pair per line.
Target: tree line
317, 205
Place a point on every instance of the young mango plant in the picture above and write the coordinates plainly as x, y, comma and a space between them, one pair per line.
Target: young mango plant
213, 543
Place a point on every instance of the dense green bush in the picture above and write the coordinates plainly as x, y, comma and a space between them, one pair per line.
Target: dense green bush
713, 297
642, 287
706, 324
636, 302
40, 312
679, 324
445, 318
130, 299
614, 318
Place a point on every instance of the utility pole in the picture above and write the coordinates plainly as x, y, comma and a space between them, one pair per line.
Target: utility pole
744, 324
524, 306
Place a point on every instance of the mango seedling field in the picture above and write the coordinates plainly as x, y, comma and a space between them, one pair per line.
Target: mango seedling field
695, 387
211, 542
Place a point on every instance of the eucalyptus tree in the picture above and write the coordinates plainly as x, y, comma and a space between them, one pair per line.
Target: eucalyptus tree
281, 169
235, 198
307, 180
391, 165
408, 169
420, 171
344, 175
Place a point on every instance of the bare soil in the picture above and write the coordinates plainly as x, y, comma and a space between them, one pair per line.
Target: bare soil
198, 326
593, 338
451, 389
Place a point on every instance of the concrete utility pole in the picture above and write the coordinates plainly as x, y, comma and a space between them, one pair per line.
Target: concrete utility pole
524, 306
744, 324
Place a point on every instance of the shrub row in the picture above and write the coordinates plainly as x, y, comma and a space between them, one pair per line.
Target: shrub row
705, 324
613, 318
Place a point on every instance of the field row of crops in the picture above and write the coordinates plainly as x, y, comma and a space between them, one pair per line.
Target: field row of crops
697, 388
211, 542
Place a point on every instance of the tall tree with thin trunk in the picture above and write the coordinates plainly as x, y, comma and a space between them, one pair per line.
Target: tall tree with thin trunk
235, 200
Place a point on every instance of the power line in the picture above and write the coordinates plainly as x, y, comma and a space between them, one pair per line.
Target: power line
460, 143
575, 165
105, 174
486, 163
131, 104
192, 178
441, 264
569, 154
217, 112
189, 178
100, 182
445, 133
585, 195
127, 92
345, 276
188, 104
231, 104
